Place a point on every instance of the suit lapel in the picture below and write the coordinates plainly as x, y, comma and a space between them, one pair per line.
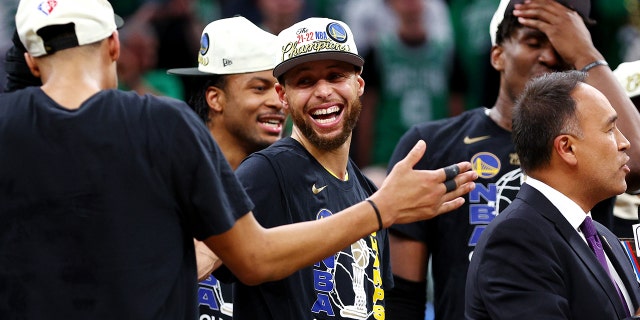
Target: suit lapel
582, 250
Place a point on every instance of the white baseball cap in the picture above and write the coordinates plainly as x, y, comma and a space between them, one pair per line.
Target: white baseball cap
628, 75
230, 46
93, 20
315, 39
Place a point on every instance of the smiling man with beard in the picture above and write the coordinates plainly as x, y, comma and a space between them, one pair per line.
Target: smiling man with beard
309, 176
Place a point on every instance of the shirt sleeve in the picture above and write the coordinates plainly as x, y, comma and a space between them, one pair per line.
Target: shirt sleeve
259, 178
210, 194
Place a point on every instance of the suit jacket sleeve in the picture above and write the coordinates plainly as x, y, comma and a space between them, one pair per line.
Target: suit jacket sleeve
510, 267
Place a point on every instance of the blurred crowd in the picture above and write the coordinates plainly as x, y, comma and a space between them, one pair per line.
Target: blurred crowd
425, 59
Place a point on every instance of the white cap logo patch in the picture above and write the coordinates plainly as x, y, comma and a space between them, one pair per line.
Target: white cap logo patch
337, 32
316, 39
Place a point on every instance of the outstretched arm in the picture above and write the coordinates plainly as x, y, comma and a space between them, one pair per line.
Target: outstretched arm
255, 254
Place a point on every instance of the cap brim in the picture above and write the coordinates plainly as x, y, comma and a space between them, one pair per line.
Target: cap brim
119, 21
348, 57
188, 72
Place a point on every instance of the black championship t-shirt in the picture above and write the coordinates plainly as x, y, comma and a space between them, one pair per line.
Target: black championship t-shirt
288, 185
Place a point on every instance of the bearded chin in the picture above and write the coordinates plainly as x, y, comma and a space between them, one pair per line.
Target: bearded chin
333, 143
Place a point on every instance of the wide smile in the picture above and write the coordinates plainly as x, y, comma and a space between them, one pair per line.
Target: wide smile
272, 122
327, 116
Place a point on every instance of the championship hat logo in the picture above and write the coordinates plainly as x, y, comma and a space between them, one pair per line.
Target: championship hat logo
204, 48
337, 32
204, 44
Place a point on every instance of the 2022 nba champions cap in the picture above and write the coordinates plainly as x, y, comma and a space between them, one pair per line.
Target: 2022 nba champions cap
315, 39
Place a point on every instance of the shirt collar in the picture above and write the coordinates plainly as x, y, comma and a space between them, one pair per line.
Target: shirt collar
570, 210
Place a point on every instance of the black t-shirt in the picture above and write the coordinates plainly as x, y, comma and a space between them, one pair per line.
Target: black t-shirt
451, 237
287, 186
99, 206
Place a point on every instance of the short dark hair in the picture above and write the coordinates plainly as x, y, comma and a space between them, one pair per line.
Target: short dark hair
507, 27
195, 93
545, 110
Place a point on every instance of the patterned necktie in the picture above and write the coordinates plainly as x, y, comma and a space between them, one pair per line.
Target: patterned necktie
590, 233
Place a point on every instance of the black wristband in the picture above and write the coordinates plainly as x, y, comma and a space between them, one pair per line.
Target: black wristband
406, 300
375, 208
594, 64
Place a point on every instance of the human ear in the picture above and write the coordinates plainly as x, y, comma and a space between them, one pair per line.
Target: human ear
565, 147
215, 99
496, 57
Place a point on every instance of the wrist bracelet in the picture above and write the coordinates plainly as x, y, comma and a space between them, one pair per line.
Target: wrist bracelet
375, 208
594, 64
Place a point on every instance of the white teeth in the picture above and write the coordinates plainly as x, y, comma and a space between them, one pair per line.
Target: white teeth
326, 120
326, 111
271, 123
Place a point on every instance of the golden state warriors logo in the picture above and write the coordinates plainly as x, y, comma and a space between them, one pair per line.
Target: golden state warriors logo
337, 32
204, 48
485, 164
323, 213
204, 44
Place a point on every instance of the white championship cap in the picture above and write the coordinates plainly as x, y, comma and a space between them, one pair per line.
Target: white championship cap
93, 20
315, 39
230, 46
582, 7
628, 75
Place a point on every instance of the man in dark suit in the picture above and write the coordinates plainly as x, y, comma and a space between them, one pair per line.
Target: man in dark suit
535, 261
